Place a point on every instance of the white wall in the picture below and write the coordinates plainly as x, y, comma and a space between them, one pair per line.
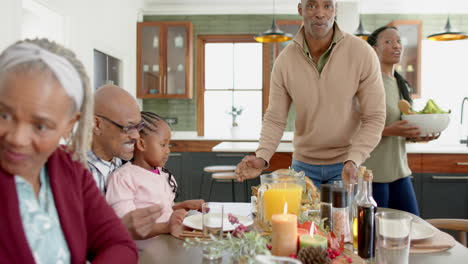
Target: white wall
168, 7
444, 73
105, 25
10, 22
414, 6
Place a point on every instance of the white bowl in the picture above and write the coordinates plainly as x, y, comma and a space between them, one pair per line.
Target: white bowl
428, 123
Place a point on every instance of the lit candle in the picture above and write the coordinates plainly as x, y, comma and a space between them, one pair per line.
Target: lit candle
300, 232
313, 241
310, 239
284, 233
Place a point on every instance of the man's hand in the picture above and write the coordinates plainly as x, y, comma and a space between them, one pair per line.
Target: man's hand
175, 222
139, 222
349, 173
250, 167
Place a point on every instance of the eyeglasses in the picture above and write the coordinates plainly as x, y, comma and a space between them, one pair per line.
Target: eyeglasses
125, 129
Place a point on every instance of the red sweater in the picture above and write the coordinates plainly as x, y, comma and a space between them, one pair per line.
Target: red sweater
91, 228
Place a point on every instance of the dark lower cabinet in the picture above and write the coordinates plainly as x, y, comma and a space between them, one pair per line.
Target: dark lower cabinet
175, 165
194, 183
444, 196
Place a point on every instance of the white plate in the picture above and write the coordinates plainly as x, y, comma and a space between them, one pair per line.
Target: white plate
195, 222
420, 231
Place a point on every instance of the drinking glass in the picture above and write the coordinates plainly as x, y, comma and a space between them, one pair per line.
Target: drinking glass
392, 232
212, 222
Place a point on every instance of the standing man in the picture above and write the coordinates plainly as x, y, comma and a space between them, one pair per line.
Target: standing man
334, 81
117, 122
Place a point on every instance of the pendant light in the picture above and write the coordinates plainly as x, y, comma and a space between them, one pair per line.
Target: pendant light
274, 34
361, 32
449, 33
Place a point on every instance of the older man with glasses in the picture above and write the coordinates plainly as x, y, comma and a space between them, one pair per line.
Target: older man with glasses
117, 122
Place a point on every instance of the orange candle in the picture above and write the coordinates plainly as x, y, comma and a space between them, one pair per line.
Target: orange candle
284, 234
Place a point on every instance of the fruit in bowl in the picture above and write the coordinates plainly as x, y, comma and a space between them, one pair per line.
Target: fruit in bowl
431, 120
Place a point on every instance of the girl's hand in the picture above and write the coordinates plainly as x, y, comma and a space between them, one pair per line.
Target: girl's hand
175, 222
402, 129
193, 204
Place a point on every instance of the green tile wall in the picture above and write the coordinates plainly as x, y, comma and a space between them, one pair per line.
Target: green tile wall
185, 110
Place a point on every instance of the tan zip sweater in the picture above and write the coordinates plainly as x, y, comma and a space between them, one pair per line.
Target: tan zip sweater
340, 113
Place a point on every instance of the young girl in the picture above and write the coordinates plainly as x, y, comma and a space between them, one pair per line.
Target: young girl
145, 181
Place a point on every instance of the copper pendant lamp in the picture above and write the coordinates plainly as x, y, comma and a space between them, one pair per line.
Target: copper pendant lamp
449, 33
361, 32
274, 34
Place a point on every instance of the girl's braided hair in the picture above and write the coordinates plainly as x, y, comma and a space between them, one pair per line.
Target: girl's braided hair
151, 125
401, 82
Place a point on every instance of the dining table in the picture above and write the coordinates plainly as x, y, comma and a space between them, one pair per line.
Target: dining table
166, 249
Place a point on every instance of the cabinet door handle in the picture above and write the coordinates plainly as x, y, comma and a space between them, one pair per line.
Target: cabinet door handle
449, 178
175, 154
230, 155
172, 145
462, 163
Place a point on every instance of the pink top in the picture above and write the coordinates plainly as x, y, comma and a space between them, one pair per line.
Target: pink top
131, 187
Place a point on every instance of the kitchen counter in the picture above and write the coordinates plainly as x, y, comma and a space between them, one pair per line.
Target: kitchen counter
288, 147
192, 135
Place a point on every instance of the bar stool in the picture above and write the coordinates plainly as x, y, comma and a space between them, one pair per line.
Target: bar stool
214, 169
218, 177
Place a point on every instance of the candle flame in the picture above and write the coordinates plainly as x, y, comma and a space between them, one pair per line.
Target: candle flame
285, 210
312, 229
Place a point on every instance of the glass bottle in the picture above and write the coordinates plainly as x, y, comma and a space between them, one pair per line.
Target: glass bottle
340, 212
367, 208
354, 210
326, 205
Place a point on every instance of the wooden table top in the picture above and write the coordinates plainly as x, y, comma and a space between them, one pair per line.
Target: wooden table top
168, 249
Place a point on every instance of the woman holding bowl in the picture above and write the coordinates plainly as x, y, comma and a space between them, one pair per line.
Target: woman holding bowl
392, 187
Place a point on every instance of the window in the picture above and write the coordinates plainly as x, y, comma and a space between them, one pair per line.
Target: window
232, 73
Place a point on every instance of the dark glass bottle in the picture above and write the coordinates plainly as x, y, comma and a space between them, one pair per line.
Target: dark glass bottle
354, 209
367, 208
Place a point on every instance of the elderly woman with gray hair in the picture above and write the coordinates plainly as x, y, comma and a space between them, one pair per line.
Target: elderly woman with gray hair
52, 210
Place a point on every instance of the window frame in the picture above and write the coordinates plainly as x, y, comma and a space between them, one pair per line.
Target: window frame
204, 39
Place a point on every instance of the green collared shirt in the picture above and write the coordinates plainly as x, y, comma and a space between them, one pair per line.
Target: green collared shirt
326, 55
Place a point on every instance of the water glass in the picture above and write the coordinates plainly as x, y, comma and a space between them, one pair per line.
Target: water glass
212, 219
393, 237
212, 222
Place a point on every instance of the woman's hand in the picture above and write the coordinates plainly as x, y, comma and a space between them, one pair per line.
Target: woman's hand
402, 129
427, 138
250, 167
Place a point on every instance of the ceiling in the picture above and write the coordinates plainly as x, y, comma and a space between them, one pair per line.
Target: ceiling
290, 6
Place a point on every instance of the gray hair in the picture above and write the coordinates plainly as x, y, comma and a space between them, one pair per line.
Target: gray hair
79, 141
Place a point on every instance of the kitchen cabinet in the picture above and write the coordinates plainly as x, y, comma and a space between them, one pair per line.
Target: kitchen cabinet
175, 165
164, 59
444, 186
187, 168
444, 195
